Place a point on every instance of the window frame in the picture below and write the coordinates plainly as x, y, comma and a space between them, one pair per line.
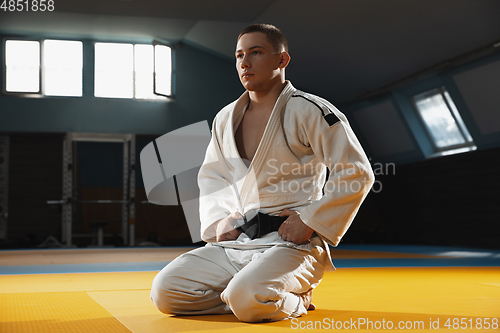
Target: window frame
156, 42
85, 43
94, 42
41, 90
39, 93
42, 45
441, 150
153, 43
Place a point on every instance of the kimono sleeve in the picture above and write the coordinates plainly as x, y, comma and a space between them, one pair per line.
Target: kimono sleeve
327, 132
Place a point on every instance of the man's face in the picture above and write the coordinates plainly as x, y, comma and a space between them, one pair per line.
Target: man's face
257, 63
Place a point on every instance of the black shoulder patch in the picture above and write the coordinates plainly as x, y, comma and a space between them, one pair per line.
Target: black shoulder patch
327, 114
331, 119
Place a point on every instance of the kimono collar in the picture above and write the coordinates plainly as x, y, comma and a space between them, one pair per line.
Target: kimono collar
284, 96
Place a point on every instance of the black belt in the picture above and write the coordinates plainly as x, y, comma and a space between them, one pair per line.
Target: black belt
261, 224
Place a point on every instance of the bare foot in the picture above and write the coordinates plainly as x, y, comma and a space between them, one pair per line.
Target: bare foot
307, 300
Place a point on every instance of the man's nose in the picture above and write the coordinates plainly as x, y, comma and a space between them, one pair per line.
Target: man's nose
244, 62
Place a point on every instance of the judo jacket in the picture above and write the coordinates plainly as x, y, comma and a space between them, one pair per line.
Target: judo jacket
305, 136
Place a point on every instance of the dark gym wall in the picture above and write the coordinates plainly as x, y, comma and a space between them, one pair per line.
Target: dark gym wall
448, 200
390, 130
35, 171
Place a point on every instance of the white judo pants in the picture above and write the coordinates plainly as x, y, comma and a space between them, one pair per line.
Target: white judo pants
260, 285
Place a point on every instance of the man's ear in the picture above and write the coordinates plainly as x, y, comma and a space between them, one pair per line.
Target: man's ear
284, 59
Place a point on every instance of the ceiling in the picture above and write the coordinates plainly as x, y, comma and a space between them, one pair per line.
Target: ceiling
340, 49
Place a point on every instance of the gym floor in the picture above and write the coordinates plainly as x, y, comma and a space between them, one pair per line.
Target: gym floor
375, 288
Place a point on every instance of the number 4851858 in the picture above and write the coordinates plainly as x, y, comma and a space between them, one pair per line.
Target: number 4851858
27, 5
470, 323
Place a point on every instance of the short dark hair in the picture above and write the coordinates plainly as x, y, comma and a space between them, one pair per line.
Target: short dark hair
273, 34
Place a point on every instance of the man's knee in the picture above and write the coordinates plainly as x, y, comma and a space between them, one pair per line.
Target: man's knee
189, 285
161, 293
248, 300
241, 300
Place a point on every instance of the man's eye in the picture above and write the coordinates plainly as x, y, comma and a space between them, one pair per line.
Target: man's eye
255, 52
239, 56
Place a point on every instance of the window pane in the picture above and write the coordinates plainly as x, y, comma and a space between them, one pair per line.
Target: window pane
144, 72
22, 60
163, 69
114, 70
458, 117
438, 119
63, 62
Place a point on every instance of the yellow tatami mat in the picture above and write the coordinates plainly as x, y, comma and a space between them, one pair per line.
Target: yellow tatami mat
375, 294
55, 312
362, 298
114, 301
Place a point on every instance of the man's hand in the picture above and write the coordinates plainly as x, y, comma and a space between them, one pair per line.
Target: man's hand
293, 229
225, 230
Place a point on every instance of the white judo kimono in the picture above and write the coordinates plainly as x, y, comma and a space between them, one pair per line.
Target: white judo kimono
261, 279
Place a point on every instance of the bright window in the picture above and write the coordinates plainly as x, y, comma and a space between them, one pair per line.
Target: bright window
442, 120
127, 71
22, 62
60, 74
114, 70
163, 70
143, 63
55, 68
62, 68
